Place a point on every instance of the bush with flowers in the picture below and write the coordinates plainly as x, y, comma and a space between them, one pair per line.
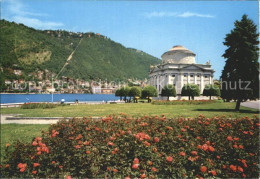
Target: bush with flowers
126, 147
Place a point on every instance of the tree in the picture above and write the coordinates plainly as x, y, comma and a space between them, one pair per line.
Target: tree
169, 90
135, 92
125, 91
240, 75
149, 91
190, 90
211, 90
119, 92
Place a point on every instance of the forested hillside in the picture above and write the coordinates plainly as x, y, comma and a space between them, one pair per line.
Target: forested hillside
97, 57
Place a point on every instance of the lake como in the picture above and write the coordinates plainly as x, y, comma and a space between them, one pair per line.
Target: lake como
23, 98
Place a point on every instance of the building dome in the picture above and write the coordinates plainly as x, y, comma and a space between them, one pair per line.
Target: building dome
180, 55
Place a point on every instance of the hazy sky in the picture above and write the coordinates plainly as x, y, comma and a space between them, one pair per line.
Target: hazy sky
151, 26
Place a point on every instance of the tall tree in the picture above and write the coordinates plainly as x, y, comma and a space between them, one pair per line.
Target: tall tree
240, 75
169, 90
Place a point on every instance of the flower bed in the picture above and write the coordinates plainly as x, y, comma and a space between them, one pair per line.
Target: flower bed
181, 102
156, 147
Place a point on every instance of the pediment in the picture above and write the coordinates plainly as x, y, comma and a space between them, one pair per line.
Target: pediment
192, 67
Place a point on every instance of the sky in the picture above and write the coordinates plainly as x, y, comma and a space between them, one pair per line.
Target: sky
151, 26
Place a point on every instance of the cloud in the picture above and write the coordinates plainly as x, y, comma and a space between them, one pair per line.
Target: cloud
36, 23
18, 12
175, 14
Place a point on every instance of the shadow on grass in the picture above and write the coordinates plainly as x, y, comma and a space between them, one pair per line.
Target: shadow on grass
228, 110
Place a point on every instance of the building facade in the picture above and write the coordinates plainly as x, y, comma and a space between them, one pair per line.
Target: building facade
178, 68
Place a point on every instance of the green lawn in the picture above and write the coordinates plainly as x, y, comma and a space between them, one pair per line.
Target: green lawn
209, 110
23, 132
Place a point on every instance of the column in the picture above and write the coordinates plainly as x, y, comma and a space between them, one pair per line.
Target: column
210, 82
168, 79
180, 77
195, 78
188, 78
201, 83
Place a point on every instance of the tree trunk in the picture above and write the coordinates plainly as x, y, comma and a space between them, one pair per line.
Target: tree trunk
168, 98
192, 97
209, 97
189, 97
238, 105
125, 98
120, 98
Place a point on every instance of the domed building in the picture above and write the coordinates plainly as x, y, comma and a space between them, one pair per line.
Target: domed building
178, 68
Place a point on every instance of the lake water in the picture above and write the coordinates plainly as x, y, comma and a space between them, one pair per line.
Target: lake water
22, 98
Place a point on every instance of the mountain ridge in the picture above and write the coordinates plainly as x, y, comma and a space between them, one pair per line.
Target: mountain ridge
97, 57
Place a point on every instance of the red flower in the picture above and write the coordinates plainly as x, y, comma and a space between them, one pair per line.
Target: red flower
203, 169
87, 152
53, 162
205, 147
240, 169
115, 170
154, 169
22, 165
182, 154
241, 146
7, 166
127, 177
143, 176
136, 161
36, 165
235, 146
194, 153
22, 169
199, 147
211, 149
213, 172
110, 143
169, 159
156, 139
135, 166
233, 168
34, 143
7, 145
229, 138
150, 163
34, 172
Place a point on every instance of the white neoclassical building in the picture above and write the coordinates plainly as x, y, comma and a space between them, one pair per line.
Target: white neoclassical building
178, 68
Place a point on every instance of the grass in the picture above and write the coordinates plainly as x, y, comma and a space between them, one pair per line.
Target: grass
209, 110
23, 132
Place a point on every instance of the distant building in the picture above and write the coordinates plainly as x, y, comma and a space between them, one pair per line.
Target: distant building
179, 68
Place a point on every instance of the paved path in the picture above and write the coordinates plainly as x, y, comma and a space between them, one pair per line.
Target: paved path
16, 120
251, 104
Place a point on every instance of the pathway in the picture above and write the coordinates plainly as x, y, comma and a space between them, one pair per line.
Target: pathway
251, 104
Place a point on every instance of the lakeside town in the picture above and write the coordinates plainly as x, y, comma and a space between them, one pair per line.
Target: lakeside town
46, 82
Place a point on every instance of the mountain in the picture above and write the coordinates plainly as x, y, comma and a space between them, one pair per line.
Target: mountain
94, 56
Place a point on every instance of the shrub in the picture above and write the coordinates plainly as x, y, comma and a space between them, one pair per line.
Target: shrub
211, 90
122, 146
168, 91
148, 92
135, 92
38, 105
190, 90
